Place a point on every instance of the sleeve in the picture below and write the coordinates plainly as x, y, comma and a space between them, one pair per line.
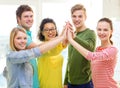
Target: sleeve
23, 56
89, 42
106, 54
5, 72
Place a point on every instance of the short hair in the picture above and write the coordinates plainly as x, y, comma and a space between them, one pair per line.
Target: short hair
78, 7
21, 9
41, 28
12, 36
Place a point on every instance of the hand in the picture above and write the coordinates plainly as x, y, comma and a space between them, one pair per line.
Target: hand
65, 86
64, 33
69, 25
70, 34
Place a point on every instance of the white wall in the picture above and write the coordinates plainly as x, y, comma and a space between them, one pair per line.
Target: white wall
111, 8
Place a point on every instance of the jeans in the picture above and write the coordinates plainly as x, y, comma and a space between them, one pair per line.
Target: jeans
87, 85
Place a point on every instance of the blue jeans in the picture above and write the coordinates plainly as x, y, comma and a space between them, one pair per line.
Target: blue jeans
87, 85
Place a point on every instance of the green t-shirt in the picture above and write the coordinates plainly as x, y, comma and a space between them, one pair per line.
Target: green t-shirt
78, 68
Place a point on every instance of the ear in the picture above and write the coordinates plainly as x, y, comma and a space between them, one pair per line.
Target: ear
18, 20
112, 31
42, 33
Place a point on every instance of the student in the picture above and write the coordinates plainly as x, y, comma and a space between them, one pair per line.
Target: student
78, 71
24, 16
103, 60
20, 71
50, 63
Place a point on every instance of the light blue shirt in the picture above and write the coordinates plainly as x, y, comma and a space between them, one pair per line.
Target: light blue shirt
32, 61
20, 71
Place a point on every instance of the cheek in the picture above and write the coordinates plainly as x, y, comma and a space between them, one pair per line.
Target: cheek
73, 19
98, 32
15, 44
43, 34
110, 34
25, 41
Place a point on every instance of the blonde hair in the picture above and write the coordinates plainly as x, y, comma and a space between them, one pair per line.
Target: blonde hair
78, 7
12, 36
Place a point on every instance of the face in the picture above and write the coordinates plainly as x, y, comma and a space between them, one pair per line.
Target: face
26, 20
20, 40
78, 18
104, 31
49, 31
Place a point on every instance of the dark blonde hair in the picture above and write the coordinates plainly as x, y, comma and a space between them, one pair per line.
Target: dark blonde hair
78, 7
12, 36
110, 23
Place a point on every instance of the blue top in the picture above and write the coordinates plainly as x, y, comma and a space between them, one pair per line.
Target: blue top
29, 37
32, 61
20, 71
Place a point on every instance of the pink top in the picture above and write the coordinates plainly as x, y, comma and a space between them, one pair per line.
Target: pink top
103, 63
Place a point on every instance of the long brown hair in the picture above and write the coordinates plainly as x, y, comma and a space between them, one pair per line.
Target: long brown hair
111, 25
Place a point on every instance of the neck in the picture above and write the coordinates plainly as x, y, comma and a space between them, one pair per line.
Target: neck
23, 27
82, 28
105, 44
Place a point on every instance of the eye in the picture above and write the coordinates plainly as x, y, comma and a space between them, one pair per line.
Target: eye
18, 38
46, 30
80, 16
73, 16
25, 38
98, 29
105, 29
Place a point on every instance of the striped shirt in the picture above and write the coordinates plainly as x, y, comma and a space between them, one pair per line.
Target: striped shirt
103, 63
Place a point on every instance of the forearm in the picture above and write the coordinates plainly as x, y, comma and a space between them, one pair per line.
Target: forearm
44, 47
32, 45
79, 48
88, 43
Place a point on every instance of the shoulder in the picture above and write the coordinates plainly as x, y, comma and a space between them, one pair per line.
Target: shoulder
113, 48
90, 30
109, 49
90, 33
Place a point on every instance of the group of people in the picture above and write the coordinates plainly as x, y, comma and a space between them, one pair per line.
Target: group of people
31, 65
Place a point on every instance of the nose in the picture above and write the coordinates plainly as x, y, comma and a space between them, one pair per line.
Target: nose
77, 18
101, 32
23, 40
30, 18
50, 31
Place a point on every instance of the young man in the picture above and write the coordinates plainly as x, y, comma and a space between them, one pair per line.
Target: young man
78, 72
24, 16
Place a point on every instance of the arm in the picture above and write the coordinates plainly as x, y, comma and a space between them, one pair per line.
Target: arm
65, 41
77, 46
106, 54
44, 47
89, 41
23, 56
31, 45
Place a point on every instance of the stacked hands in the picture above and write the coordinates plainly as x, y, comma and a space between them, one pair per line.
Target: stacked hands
68, 32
